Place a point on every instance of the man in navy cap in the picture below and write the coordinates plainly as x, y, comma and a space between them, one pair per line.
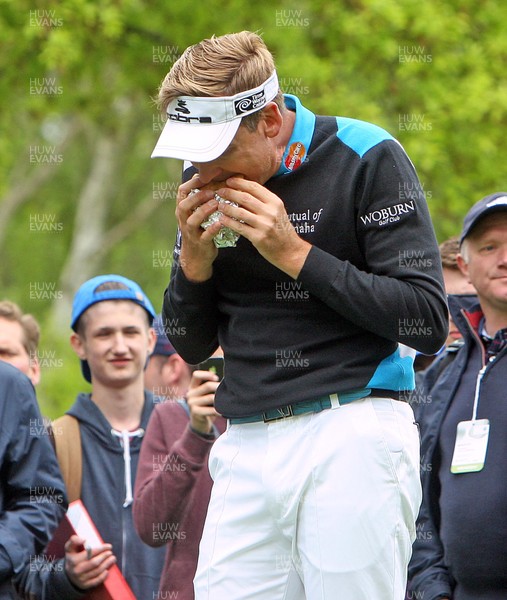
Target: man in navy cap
461, 546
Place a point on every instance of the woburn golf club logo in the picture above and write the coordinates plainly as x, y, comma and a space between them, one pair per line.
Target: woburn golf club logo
391, 214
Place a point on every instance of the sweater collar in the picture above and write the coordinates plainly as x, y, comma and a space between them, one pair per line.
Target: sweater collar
296, 151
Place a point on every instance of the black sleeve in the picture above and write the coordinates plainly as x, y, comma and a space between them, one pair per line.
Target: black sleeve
397, 297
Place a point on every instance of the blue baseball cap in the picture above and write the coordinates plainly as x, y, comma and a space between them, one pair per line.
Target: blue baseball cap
493, 203
87, 295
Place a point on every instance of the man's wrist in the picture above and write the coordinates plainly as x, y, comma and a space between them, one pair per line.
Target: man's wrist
195, 271
294, 261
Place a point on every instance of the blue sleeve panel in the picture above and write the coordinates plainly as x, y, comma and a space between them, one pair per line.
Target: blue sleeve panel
396, 370
359, 135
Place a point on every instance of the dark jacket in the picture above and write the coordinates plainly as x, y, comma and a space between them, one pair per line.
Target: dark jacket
463, 555
32, 493
103, 494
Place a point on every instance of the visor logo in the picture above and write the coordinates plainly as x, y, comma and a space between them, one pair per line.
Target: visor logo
250, 103
182, 107
181, 113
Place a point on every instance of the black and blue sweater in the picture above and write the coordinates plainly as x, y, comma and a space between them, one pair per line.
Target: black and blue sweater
371, 280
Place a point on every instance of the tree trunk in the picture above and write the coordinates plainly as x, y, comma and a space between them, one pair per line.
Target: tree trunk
25, 184
88, 230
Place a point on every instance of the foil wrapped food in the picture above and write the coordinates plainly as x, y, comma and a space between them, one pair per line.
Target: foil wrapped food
226, 237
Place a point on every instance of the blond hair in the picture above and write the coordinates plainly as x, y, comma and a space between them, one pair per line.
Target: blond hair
31, 330
449, 249
220, 66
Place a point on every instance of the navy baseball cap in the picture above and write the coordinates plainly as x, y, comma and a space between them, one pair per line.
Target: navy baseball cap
163, 345
87, 295
493, 203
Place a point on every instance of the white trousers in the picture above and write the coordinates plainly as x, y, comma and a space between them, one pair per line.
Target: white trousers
313, 507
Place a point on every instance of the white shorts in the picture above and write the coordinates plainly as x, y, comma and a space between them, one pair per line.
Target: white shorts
314, 507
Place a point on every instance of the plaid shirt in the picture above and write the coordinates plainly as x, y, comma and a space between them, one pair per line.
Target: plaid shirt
495, 344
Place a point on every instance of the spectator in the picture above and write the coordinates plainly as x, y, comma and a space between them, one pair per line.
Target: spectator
316, 481
173, 483
112, 335
167, 375
455, 282
461, 548
32, 493
19, 340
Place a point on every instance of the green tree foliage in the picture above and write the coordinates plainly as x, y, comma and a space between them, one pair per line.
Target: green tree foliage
79, 123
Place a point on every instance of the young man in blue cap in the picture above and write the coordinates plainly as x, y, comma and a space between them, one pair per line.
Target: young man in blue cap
113, 337
461, 546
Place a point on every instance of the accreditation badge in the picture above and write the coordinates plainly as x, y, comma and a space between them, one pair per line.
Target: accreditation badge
471, 445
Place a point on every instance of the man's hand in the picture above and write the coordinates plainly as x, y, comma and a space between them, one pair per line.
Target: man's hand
197, 248
87, 568
261, 218
200, 400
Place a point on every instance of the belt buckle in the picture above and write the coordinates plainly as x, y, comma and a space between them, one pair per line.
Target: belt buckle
280, 413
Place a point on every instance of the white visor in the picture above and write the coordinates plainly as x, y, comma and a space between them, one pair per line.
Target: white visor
200, 129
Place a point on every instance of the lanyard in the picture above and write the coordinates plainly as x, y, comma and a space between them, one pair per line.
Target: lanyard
480, 375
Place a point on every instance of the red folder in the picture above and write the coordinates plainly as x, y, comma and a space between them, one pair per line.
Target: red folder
77, 521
